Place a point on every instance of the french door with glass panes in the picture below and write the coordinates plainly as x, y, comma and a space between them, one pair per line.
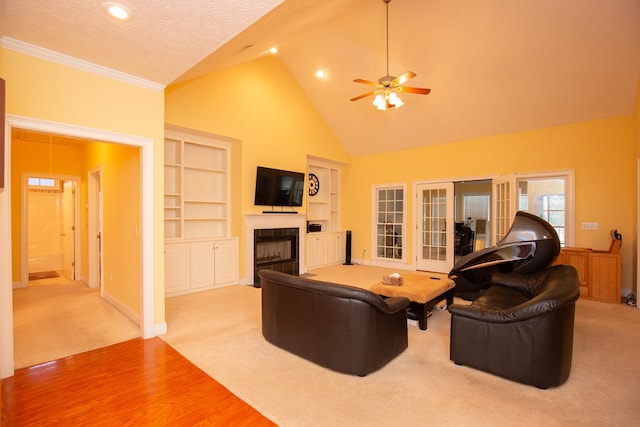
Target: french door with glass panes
435, 227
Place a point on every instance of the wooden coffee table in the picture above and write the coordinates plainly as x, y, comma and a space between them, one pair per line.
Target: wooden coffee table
424, 292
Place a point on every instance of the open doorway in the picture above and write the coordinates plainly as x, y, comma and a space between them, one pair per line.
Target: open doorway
9, 266
43, 330
453, 219
472, 216
50, 215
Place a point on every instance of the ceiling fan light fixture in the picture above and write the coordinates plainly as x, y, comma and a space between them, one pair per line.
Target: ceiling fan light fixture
395, 100
379, 102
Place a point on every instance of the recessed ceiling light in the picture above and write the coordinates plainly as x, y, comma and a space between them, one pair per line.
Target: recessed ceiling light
273, 50
117, 10
321, 74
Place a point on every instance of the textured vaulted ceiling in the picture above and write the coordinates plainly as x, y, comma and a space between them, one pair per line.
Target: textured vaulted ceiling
494, 66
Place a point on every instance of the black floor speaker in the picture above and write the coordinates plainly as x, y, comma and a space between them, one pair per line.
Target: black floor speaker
347, 252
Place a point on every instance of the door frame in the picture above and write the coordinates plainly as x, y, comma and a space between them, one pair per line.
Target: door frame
94, 199
148, 328
24, 232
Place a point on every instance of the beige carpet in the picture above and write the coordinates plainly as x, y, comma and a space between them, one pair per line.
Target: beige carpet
219, 331
55, 318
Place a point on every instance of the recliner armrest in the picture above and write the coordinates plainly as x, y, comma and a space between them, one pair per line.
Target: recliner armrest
515, 314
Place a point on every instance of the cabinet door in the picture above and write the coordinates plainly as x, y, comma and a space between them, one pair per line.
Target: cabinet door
316, 250
226, 261
177, 271
605, 277
202, 264
336, 248
579, 258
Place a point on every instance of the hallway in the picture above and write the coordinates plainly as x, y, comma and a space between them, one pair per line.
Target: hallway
55, 318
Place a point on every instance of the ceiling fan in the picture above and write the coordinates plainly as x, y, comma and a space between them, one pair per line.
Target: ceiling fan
387, 87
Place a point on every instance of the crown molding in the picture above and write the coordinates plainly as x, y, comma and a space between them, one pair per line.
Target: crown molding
70, 61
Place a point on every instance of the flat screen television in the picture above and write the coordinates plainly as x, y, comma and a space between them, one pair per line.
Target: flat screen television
275, 187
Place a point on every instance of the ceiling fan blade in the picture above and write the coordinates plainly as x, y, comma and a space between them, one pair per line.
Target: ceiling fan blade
366, 82
417, 90
364, 95
404, 77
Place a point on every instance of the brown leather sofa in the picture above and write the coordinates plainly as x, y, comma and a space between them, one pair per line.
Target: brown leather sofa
521, 328
343, 328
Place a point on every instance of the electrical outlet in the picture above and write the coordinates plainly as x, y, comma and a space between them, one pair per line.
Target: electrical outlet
364, 251
590, 226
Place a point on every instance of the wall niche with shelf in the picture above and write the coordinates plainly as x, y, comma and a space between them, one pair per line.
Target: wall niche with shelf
199, 251
196, 186
323, 207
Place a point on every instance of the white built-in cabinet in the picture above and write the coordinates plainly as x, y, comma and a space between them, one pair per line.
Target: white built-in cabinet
200, 264
327, 246
325, 249
199, 252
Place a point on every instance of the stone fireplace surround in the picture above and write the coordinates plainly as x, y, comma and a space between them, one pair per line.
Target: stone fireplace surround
267, 221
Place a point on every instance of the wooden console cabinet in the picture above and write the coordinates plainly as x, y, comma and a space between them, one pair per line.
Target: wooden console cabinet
599, 272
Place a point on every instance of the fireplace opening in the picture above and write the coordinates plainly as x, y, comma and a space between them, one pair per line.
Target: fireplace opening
275, 249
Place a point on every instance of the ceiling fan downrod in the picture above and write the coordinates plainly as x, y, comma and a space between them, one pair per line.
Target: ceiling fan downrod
387, 6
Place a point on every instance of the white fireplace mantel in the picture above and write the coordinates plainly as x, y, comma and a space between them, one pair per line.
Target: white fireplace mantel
275, 220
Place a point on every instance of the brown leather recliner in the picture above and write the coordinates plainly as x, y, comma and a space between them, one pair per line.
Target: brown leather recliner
343, 328
521, 328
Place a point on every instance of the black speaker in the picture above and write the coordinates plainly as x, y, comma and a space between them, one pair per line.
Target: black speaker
347, 252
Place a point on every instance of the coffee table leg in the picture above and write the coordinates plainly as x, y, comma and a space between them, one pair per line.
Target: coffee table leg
423, 314
449, 295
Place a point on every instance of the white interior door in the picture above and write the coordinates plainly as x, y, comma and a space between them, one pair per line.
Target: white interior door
68, 234
503, 212
435, 227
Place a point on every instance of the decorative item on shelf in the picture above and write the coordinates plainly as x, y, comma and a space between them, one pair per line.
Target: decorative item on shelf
314, 184
393, 279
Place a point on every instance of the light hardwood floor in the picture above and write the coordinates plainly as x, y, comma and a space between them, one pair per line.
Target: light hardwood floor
137, 382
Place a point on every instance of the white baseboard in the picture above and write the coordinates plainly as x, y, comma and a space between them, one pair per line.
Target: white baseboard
160, 328
132, 315
386, 264
18, 285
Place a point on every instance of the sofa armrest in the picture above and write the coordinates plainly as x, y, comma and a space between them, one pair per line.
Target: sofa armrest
387, 306
395, 304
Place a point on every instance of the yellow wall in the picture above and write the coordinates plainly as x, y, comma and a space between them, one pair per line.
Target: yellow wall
636, 213
262, 106
600, 152
121, 246
44, 90
636, 120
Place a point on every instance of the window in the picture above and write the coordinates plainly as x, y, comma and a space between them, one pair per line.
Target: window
389, 222
547, 198
46, 184
476, 206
